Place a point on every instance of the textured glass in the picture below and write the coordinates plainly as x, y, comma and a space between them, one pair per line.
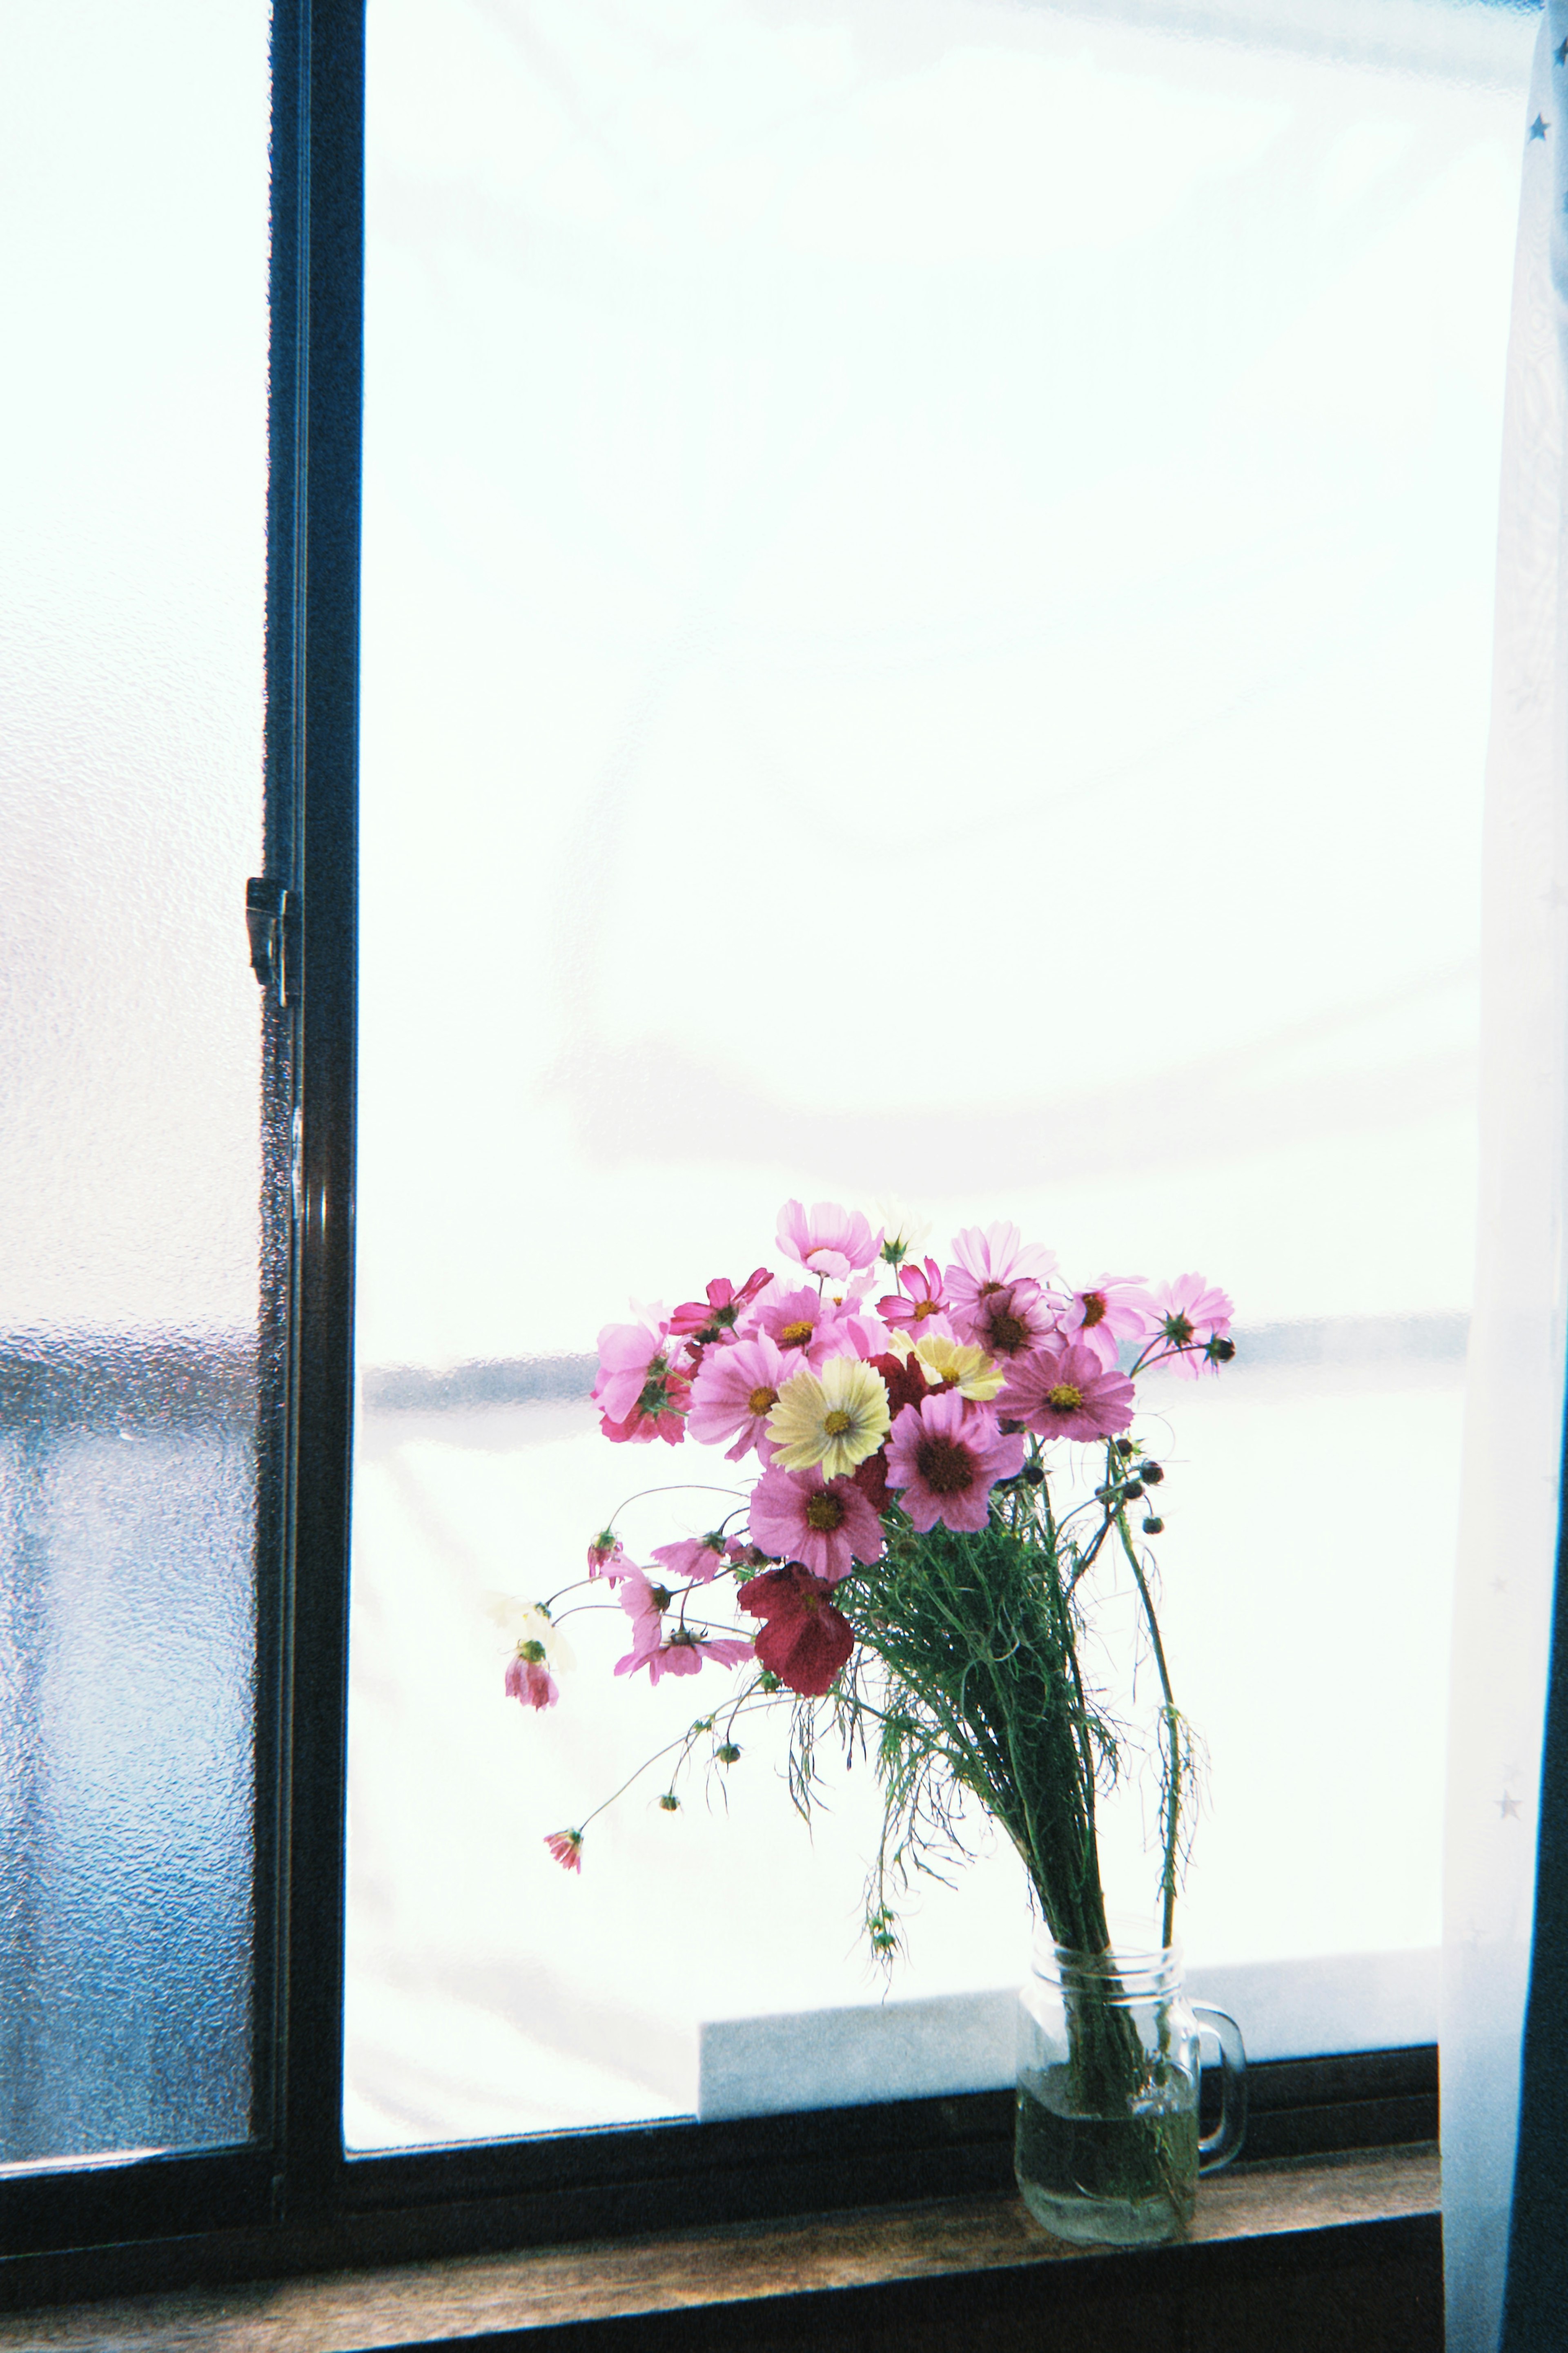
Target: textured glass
133, 284
928, 601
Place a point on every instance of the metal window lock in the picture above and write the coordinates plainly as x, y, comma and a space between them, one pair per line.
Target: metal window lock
266, 918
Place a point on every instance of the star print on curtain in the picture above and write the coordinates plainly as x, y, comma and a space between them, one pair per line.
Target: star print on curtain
1513, 1437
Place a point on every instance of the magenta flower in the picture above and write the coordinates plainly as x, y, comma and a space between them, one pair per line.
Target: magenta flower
640, 1392
988, 1258
829, 1240
736, 1390
699, 1559
1010, 1320
566, 1846
528, 1679
1066, 1393
704, 1321
808, 1329
947, 1454
1192, 1324
805, 1639
920, 1300
826, 1524
1114, 1308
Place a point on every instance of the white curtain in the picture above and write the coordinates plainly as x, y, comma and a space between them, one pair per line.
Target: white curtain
1514, 1429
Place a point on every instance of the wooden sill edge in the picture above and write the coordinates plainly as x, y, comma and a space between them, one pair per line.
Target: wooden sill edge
473, 2296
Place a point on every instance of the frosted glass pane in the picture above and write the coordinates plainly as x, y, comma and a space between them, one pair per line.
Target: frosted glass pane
927, 600
133, 510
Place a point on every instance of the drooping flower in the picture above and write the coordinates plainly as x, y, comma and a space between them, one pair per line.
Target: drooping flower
826, 1525
1068, 1393
699, 1559
684, 1652
828, 1239
608, 1558
736, 1390
566, 1846
1114, 1308
640, 1392
644, 1604
805, 1639
919, 1299
1188, 1316
811, 1328
946, 1455
528, 1679
960, 1365
705, 1322
1009, 1320
989, 1258
834, 1418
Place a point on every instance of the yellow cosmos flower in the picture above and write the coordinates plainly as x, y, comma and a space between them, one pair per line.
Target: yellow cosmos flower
972, 1372
837, 1418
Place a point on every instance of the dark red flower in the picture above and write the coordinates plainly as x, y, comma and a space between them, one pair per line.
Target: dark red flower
805, 1639
906, 1383
871, 1477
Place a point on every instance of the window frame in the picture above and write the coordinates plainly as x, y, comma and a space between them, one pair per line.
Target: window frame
292, 2199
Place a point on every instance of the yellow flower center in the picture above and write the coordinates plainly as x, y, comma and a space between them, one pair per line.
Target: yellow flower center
836, 1422
1063, 1398
825, 1513
925, 1307
794, 1334
760, 1400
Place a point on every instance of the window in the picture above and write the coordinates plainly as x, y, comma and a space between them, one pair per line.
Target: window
177, 1402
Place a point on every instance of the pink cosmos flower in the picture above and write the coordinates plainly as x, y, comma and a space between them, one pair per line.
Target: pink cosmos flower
1009, 1320
947, 1454
736, 1390
829, 1240
805, 1639
1188, 1318
808, 1329
1114, 1308
699, 1559
644, 1604
608, 1558
826, 1524
919, 1305
988, 1258
528, 1679
684, 1652
566, 1846
704, 1321
1066, 1393
639, 1391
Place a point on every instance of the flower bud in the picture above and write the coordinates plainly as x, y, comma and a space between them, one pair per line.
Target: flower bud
1151, 1473
1152, 1526
727, 1754
1034, 1473
1124, 1447
1130, 1493
669, 1802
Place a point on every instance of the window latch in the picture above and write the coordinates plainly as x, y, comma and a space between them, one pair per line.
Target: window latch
266, 918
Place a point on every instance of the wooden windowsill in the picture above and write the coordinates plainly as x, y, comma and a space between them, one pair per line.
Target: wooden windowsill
709, 2271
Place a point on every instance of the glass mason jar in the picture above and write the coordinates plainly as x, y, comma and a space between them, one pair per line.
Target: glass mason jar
1108, 2150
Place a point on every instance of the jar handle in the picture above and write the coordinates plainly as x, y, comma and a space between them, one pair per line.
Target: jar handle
1217, 2149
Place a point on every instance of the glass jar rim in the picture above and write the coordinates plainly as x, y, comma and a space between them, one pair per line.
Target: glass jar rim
1135, 1959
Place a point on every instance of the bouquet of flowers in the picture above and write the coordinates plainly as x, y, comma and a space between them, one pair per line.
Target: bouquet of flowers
907, 1567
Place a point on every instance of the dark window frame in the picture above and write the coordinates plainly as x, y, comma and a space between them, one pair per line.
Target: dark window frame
292, 2200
